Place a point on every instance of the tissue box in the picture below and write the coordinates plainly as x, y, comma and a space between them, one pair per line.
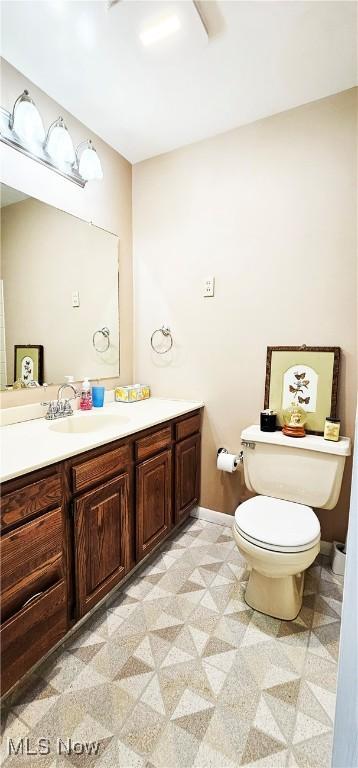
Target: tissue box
132, 393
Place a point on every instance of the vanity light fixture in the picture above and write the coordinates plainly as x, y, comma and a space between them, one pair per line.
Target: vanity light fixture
26, 120
89, 164
59, 144
23, 129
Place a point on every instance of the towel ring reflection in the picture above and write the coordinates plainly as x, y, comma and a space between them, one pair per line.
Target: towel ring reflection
105, 333
166, 332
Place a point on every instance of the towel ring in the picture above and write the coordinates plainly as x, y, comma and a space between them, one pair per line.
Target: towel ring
105, 333
166, 332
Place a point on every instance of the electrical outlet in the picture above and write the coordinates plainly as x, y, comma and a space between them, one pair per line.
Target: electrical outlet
75, 299
209, 287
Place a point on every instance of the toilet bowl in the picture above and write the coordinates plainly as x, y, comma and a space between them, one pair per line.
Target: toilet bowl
279, 540
277, 532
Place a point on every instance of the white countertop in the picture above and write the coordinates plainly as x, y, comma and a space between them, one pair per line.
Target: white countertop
30, 445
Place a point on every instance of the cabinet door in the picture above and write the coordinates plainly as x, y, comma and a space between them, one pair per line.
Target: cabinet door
187, 476
154, 501
101, 541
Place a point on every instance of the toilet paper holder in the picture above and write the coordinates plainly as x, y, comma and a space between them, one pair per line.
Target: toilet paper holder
239, 457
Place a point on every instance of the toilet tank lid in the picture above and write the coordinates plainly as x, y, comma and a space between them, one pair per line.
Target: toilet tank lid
253, 434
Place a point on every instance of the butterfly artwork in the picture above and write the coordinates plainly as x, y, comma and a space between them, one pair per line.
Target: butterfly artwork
300, 387
302, 380
299, 384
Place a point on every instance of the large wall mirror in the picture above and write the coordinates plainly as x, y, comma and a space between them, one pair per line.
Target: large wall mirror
59, 299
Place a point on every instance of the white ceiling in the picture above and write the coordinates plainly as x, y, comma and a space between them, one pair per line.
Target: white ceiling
260, 58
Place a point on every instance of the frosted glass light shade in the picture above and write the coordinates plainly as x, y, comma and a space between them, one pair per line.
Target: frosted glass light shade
27, 122
59, 143
23, 129
157, 32
89, 164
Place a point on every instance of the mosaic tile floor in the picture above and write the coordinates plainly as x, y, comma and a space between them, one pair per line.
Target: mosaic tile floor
178, 672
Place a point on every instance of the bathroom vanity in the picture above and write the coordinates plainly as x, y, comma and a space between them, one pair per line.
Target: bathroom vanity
73, 528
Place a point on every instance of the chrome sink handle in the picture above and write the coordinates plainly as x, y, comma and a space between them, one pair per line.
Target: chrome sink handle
67, 408
58, 409
53, 410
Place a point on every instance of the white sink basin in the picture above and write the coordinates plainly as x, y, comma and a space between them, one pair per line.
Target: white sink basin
75, 425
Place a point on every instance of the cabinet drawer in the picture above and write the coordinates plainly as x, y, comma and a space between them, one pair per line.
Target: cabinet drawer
188, 427
33, 498
31, 560
148, 446
96, 470
28, 635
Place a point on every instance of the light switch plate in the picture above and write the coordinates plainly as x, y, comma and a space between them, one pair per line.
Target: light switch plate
209, 287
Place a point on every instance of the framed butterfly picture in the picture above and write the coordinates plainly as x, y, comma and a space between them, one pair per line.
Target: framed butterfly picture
306, 376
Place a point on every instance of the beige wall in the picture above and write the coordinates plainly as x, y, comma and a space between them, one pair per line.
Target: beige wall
107, 204
47, 254
270, 210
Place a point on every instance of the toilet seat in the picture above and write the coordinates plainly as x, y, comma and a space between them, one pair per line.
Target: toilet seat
277, 525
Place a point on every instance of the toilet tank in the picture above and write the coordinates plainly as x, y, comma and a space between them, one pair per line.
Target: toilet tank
307, 470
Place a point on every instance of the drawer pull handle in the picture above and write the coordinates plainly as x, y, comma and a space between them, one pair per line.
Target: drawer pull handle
27, 602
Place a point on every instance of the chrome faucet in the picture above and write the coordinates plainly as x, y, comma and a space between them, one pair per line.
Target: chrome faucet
62, 387
58, 409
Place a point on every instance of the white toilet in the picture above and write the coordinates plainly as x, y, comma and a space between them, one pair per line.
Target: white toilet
276, 532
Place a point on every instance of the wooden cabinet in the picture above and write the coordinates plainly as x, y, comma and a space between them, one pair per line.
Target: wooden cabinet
33, 594
72, 531
152, 444
154, 501
31, 561
101, 541
188, 427
187, 476
22, 501
88, 473
30, 633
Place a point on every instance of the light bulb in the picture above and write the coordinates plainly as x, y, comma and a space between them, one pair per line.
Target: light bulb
59, 143
89, 164
26, 121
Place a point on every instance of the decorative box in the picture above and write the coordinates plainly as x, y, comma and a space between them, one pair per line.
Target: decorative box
132, 393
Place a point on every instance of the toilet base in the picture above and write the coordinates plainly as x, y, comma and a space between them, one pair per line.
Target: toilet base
275, 585
277, 597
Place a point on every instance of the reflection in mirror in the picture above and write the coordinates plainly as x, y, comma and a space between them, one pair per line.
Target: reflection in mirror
59, 312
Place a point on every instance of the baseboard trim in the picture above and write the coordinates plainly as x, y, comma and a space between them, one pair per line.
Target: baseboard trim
212, 516
222, 518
